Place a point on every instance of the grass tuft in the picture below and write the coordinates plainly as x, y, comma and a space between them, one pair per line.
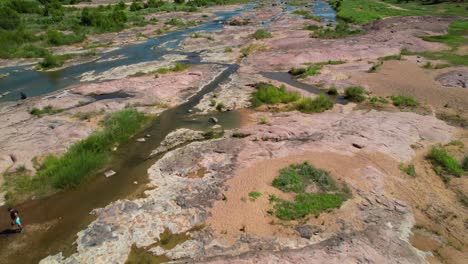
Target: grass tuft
254, 195
355, 94
444, 164
261, 34
408, 169
404, 101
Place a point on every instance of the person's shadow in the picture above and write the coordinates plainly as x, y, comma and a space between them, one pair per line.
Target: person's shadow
8, 231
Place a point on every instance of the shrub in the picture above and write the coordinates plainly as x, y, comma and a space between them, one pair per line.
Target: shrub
176, 68
220, 107
443, 162
9, 18
57, 38
135, 6
261, 34
409, 169
254, 195
341, 30
52, 61
315, 105
263, 120
404, 101
269, 94
355, 94
296, 177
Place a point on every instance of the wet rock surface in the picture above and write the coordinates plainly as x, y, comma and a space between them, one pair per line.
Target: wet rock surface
177, 138
457, 78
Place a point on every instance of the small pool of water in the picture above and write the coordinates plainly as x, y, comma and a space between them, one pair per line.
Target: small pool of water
323, 10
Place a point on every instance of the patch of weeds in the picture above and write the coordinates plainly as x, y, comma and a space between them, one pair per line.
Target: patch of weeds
48, 110
311, 27
246, 51
404, 101
377, 100
297, 177
178, 67
213, 133
254, 195
243, 199
240, 135
307, 203
355, 94
444, 164
261, 34
306, 14
453, 119
263, 120
175, 22
312, 69
408, 169
83, 157
220, 106
457, 143
53, 61
227, 49
376, 65
314, 105
341, 30
213, 102
269, 94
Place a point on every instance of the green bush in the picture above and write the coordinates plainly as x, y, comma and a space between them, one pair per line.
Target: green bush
254, 195
261, 34
9, 18
444, 162
51, 61
355, 94
408, 169
269, 94
315, 105
404, 101
57, 38
341, 30
297, 177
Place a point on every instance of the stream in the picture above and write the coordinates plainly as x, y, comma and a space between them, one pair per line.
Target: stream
53, 222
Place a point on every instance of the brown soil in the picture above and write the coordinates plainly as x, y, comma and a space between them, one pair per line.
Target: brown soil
239, 214
407, 78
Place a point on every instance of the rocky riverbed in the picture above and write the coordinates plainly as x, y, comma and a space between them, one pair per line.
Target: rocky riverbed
195, 207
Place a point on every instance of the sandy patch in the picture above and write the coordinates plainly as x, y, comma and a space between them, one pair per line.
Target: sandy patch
407, 78
238, 214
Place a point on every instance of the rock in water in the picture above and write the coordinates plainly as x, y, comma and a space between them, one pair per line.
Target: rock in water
109, 173
213, 119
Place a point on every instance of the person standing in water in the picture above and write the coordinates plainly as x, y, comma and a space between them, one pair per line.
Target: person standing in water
14, 215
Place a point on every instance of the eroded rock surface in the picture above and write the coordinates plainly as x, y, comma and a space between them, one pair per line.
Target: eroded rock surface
177, 138
178, 201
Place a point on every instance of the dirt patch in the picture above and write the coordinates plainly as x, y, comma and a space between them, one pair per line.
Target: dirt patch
238, 214
407, 78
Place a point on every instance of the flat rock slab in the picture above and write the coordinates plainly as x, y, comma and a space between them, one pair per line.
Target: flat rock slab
458, 78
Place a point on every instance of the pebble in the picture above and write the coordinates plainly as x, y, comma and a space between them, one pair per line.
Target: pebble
141, 140
135, 182
109, 173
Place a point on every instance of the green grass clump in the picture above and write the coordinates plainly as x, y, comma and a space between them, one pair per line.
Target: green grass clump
377, 100
57, 38
52, 61
306, 14
314, 105
254, 195
312, 69
408, 169
444, 163
404, 101
178, 67
341, 30
297, 177
307, 203
220, 106
355, 94
261, 34
48, 110
269, 94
